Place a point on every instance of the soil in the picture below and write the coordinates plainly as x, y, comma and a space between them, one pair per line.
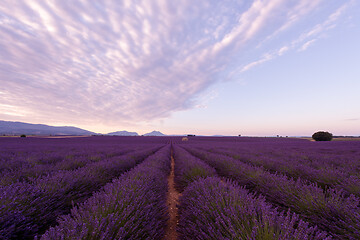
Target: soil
172, 201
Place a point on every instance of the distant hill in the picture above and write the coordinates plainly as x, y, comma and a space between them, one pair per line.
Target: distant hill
123, 133
18, 128
154, 133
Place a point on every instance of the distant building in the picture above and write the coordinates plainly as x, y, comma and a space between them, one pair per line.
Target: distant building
184, 139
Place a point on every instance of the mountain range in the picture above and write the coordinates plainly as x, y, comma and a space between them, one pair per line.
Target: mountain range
18, 128
123, 133
154, 133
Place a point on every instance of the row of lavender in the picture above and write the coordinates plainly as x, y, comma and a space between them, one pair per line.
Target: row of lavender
44, 163
131, 207
344, 155
328, 164
215, 208
332, 209
327, 175
28, 208
16, 153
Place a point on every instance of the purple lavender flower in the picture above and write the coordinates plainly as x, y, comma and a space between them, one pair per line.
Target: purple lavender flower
214, 209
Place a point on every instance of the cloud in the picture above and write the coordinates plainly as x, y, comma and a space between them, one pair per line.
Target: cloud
302, 42
352, 119
294, 15
283, 50
120, 62
307, 44
265, 58
12, 110
319, 28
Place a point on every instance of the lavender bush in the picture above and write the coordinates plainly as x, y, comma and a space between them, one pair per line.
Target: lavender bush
331, 210
320, 169
189, 168
131, 207
28, 209
214, 209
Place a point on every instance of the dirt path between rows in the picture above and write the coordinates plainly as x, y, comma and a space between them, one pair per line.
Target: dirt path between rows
172, 201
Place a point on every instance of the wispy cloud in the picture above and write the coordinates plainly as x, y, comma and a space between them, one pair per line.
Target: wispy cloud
319, 28
307, 44
304, 40
117, 62
265, 58
352, 119
283, 50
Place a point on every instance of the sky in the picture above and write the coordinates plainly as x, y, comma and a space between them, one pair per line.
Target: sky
255, 68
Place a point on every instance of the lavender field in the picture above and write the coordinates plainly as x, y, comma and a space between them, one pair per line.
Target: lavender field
165, 188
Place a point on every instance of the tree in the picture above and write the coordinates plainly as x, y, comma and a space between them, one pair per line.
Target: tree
23, 135
322, 136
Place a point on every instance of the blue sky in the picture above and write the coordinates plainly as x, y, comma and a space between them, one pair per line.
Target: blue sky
215, 67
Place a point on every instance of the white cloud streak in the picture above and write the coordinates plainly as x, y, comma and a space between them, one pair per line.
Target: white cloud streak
303, 40
118, 62
307, 44
264, 59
